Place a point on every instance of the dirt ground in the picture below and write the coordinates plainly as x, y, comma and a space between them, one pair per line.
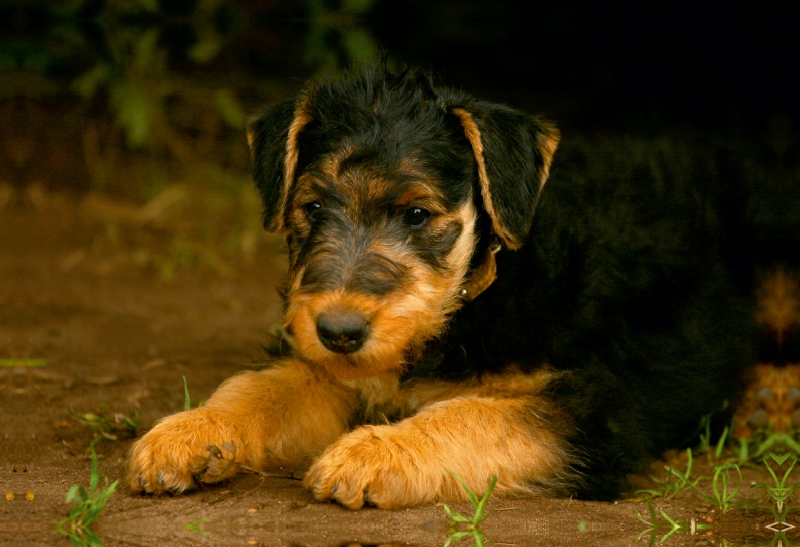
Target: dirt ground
118, 330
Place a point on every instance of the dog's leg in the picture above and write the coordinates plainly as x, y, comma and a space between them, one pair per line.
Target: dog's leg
517, 439
287, 412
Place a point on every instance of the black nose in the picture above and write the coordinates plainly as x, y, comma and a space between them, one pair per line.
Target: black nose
342, 332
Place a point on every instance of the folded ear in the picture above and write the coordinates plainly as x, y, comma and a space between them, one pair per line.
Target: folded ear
272, 136
513, 152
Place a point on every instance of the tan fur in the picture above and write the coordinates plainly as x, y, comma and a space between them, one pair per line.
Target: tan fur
462, 251
363, 185
379, 394
290, 412
301, 408
287, 415
547, 142
301, 119
474, 137
475, 429
399, 321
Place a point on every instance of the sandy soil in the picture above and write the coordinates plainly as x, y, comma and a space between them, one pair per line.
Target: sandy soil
118, 333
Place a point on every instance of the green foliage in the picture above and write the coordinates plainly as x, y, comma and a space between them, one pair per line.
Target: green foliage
187, 401
229, 108
763, 444
652, 524
87, 506
193, 527
779, 491
343, 27
722, 480
121, 71
675, 482
676, 526
471, 523
726, 482
120, 57
14, 363
721, 442
110, 426
705, 445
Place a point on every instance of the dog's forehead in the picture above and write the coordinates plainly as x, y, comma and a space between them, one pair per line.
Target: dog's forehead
389, 134
354, 177
387, 146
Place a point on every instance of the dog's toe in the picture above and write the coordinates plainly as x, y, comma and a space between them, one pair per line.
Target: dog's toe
161, 461
368, 468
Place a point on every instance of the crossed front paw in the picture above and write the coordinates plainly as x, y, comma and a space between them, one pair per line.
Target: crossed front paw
164, 460
375, 465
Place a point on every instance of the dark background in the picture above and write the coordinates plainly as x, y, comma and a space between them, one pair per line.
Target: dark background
128, 96
619, 66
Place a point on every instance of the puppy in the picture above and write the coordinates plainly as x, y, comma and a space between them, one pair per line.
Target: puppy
460, 297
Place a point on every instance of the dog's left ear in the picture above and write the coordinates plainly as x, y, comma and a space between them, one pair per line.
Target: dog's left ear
513, 152
272, 136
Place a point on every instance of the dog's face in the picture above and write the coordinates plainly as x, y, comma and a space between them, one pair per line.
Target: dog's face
381, 184
377, 251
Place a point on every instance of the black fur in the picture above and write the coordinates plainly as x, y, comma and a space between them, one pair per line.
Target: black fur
270, 131
621, 283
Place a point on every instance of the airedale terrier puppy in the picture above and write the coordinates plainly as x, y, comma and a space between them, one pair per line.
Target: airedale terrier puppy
449, 308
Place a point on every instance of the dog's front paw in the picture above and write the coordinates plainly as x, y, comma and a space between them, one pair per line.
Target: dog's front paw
163, 460
378, 465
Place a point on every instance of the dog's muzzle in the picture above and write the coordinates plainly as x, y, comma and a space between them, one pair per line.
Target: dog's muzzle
342, 331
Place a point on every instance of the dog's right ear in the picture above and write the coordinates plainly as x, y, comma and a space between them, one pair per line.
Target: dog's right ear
272, 136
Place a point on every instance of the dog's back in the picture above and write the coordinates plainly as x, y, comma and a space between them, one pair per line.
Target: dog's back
621, 286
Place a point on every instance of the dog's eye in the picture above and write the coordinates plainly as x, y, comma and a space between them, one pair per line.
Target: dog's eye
415, 216
312, 209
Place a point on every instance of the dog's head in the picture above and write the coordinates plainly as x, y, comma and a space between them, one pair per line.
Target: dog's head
385, 185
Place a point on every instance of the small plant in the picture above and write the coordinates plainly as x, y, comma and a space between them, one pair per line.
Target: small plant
705, 434
779, 491
652, 524
675, 482
720, 485
676, 526
87, 507
110, 426
721, 442
193, 527
187, 401
751, 450
472, 522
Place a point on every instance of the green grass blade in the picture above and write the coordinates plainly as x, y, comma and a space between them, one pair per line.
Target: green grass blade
187, 402
721, 442
94, 476
473, 499
14, 363
479, 509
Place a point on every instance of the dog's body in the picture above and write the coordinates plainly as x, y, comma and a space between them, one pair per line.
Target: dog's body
599, 336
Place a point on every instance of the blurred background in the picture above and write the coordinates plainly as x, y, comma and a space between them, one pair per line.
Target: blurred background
177, 78
137, 107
